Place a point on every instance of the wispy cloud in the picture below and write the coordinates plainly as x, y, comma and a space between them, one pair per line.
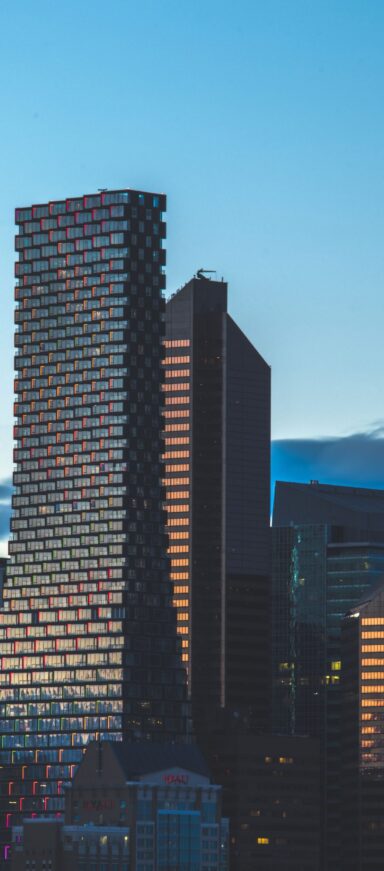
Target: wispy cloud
356, 459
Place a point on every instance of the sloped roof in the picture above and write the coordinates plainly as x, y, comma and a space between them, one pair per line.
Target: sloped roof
143, 757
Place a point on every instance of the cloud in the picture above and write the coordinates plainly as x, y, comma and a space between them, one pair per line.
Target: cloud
356, 460
5, 510
6, 490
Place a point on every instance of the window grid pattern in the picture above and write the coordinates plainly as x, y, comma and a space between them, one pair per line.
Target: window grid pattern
371, 727
81, 652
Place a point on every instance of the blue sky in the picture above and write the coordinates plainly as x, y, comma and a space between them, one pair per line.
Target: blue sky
263, 123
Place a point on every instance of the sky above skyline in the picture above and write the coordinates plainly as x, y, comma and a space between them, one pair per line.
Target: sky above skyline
263, 123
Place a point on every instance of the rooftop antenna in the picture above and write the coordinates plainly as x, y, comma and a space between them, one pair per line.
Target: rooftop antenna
201, 273
102, 190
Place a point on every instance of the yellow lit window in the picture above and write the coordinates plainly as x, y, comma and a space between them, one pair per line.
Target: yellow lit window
285, 760
377, 634
177, 343
373, 621
336, 665
177, 468
172, 360
173, 536
176, 400
177, 386
169, 413
177, 373
373, 662
375, 688
179, 548
263, 840
178, 521
177, 427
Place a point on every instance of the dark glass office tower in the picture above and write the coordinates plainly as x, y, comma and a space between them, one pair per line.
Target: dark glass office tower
328, 552
87, 635
216, 454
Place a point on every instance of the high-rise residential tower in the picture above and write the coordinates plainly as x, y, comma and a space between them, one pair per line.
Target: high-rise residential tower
87, 636
216, 455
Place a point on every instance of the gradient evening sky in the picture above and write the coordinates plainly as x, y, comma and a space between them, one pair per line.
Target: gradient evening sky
263, 122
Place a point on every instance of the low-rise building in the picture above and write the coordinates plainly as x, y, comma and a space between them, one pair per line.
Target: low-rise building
131, 807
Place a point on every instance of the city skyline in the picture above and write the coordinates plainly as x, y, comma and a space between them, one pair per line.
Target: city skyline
152, 156
268, 145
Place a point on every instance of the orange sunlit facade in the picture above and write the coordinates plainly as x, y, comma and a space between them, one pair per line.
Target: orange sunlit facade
363, 733
177, 470
371, 670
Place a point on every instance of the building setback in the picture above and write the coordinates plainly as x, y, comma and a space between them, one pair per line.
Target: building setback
87, 635
328, 553
216, 456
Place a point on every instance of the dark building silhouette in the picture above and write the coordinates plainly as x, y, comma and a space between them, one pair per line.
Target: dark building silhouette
217, 466
217, 449
271, 793
363, 735
328, 552
87, 634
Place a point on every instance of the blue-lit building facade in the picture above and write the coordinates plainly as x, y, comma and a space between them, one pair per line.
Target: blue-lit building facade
88, 638
321, 569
